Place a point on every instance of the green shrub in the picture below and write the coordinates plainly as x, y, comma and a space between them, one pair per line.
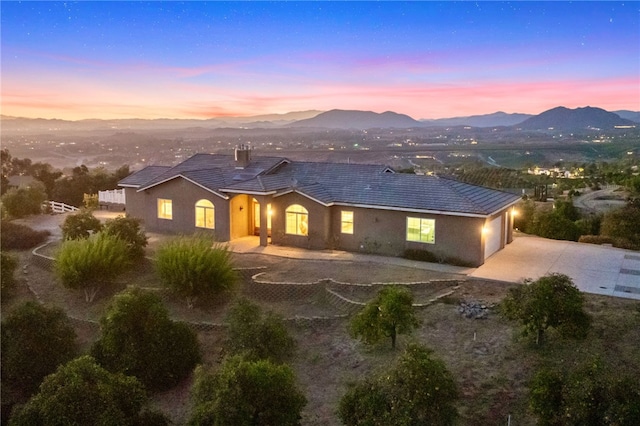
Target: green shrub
420, 255
140, 339
419, 390
80, 225
92, 264
24, 201
258, 336
14, 236
247, 392
35, 341
7, 275
83, 393
596, 239
130, 231
195, 267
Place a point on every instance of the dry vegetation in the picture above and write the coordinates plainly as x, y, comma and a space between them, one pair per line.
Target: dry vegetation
492, 365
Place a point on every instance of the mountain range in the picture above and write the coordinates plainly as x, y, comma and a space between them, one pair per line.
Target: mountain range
556, 119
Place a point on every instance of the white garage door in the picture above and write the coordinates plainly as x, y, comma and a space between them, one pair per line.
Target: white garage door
493, 237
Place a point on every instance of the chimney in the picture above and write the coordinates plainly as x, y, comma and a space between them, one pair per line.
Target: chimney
242, 156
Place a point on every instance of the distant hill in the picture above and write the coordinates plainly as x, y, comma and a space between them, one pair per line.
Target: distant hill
351, 119
629, 115
487, 120
566, 119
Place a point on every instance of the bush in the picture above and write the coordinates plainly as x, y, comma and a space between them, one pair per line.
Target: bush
129, 230
80, 225
596, 239
553, 225
83, 393
35, 341
7, 278
419, 390
20, 237
247, 392
258, 336
139, 339
624, 225
195, 268
420, 255
24, 201
92, 264
551, 301
389, 314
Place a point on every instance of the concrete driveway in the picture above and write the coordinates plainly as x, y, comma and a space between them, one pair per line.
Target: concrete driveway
593, 268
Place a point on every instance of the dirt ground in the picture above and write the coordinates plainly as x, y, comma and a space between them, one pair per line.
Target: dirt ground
491, 370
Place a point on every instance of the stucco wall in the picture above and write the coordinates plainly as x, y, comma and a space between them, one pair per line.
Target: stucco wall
319, 222
378, 231
184, 196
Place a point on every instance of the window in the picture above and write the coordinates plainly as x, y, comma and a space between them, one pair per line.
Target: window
205, 214
346, 222
421, 230
164, 209
297, 220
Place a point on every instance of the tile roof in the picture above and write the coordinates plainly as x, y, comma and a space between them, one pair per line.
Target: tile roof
339, 183
145, 175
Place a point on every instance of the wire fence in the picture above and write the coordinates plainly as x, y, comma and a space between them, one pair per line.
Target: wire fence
346, 298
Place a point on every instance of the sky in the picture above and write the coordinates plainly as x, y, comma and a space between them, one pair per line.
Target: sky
121, 59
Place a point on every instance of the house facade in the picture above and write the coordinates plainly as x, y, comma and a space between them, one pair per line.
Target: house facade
351, 207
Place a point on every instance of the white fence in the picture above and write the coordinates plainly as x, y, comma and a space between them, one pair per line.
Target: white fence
115, 196
57, 207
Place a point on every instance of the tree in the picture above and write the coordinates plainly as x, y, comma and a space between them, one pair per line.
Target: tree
551, 301
195, 268
24, 201
590, 395
91, 264
554, 225
419, 390
245, 392
83, 393
80, 225
139, 339
623, 224
35, 341
7, 278
258, 336
389, 314
129, 230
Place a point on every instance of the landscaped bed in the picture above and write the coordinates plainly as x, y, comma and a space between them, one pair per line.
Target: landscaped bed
491, 366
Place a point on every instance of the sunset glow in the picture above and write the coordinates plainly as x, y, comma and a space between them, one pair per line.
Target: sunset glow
425, 59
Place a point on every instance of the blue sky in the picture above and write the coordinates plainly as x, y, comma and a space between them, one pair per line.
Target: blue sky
122, 59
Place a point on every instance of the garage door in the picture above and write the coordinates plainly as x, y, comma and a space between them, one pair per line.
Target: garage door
493, 237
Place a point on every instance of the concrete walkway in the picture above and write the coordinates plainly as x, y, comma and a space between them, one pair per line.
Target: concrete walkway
593, 268
251, 245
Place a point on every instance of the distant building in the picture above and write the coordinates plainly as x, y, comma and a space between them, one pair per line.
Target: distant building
345, 206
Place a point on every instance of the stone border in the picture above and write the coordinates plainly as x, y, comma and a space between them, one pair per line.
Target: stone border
264, 290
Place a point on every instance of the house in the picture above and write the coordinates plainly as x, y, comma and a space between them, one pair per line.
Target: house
316, 205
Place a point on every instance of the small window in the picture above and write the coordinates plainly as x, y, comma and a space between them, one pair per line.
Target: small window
346, 222
421, 230
205, 214
165, 209
297, 220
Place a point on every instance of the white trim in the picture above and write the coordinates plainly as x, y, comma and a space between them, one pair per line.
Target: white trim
224, 197
128, 185
304, 195
239, 191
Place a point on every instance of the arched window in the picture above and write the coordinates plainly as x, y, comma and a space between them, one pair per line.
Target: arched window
205, 214
297, 220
